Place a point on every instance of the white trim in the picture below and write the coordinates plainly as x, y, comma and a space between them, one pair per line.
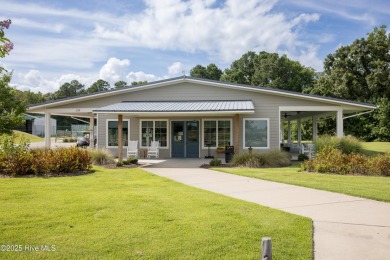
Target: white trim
216, 119
268, 133
309, 108
128, 132
154, 123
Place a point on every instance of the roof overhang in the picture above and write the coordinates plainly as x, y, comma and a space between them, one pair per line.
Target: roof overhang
206, 107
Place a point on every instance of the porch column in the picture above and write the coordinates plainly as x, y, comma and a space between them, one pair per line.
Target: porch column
47, 130
236, 133
299, 132
340, 123
315, 129
120, 138
91, 132
282, 131
289, 132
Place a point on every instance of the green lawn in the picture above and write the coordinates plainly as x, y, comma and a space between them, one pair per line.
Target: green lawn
130, 213
30, 137
377, 188
377, 147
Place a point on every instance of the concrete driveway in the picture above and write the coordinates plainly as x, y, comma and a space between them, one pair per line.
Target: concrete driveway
345, 227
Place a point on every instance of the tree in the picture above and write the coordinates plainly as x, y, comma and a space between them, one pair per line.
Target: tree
139, 82
7, 44
361, 72
74, 88
99, 85
209, 72
120, 84
11, 107
270, 70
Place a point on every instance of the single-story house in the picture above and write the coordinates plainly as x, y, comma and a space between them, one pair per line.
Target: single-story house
192, 117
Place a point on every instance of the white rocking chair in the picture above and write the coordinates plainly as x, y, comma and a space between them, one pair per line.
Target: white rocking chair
153, 149
309, 150
132, 149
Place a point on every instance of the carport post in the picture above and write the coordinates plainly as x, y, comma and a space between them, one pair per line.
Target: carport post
91, 132
340, 123
47, 130
315, 128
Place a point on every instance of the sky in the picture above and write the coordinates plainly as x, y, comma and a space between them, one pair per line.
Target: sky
57, 41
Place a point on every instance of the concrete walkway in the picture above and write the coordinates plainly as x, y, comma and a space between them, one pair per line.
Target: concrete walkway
345, 227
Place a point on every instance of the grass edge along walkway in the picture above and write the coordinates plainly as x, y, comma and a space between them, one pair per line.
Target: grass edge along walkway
370, 187
128, 213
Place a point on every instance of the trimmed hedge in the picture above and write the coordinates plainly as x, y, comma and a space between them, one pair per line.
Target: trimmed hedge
331, 160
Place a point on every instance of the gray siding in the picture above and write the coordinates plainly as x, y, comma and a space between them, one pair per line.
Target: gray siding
266, 106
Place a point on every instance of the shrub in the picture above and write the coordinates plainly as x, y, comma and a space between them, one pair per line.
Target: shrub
119, 164
302, 157
349, 145
15, 159
101, 156
273, 158
215, 162
331, 160
61, 160
65, 140
18, 160
130, 160
346, 145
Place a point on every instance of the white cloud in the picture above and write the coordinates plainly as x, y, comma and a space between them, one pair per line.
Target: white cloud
114, 70
175, 68
140, 76
225, 32
34, 81
71, 42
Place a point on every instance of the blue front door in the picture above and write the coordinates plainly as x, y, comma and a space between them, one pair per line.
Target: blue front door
185, 139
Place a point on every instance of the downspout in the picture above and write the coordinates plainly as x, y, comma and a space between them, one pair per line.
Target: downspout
359, 114
79, 120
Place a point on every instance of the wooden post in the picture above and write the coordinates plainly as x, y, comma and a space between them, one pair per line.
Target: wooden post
236, 134
266, 252
120, 138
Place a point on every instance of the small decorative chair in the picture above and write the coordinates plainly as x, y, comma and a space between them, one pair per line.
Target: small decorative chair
153, 149
309, 150
132, 149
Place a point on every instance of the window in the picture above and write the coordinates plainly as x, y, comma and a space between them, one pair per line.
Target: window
154, 130
217, 133
256, 133
112, 133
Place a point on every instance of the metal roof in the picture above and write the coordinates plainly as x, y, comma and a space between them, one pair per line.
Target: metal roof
180, 106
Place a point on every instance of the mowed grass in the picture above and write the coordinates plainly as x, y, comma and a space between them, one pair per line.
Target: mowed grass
377, 188
31, 138
376, 147
131, 213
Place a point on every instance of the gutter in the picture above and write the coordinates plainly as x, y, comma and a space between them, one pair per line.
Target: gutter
359, 114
